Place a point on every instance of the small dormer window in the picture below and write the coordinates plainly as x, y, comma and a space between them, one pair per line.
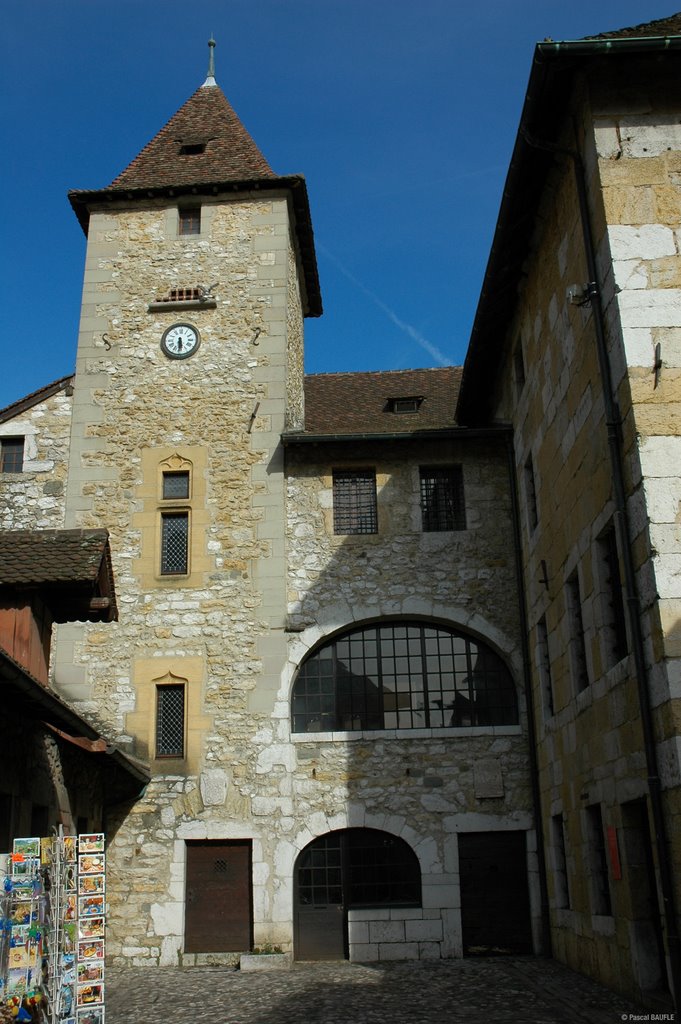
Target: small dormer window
192, 148
409, 403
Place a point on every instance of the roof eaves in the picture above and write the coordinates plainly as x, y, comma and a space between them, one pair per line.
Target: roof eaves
294, 184
35, 398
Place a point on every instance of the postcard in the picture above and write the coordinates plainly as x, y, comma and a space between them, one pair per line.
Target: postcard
25, 867
89, 994
91, 864
92, 843
91, 1015
18, 935
91, 949
23, 848
46, 851
91, 928
91, 970
70, 907
91, 906
69, 848
90, 884
70, 878
17, 980
21, 914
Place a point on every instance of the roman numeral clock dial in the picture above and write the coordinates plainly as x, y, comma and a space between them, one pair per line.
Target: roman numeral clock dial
180, 341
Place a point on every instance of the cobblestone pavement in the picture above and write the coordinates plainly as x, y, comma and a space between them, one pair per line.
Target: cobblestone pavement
510, 991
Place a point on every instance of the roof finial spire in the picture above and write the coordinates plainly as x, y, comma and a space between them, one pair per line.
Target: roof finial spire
210, 79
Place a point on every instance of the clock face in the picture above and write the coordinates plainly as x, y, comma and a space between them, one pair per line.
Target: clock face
180, 341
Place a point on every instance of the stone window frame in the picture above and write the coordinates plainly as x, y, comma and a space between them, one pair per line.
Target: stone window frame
147, 675
561, 879
579, 664
597, 858
156, 462
189, 217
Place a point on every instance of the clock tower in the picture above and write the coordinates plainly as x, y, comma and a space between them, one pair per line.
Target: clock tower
200, 268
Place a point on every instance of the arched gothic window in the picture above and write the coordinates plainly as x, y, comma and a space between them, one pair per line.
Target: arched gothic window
402, 675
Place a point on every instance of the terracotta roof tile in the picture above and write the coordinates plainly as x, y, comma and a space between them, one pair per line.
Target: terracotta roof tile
206, 119
670, 26
71, 569
359, 403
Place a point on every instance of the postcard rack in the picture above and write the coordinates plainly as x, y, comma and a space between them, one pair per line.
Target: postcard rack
52, 920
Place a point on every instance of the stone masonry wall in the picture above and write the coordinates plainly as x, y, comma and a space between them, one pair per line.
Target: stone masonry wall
590, 743
34, 499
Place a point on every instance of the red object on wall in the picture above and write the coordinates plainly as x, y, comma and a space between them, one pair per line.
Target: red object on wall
614, 852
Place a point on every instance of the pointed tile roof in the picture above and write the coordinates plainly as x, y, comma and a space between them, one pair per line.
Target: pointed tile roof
670, 26
203, 142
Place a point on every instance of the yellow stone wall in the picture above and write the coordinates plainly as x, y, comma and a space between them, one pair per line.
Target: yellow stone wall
590, 743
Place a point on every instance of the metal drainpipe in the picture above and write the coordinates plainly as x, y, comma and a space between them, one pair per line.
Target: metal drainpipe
529, 700
614, 431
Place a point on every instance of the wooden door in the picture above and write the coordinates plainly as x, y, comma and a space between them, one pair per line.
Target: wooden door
495, 907
218, 903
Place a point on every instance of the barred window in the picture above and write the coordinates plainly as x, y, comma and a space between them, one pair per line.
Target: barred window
442, 498
189, 222
12, 455
354, 501
402, 675
176, 485
614, 619
580, 672
174, 543
170, 721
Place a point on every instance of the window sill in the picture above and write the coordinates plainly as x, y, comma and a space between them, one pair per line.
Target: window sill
406, 734
159, 307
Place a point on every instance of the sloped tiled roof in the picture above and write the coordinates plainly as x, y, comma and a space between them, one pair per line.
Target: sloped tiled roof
359, 403
670, 26
71, 568
206, 118
35, 398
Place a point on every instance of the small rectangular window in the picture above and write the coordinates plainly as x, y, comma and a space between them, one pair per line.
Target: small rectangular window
442, 498
190, 220
580, 673
614, 620
170, 721
176, 485
410, 403
174, 543
600, 886
12, 455
561, 887
192, 148
544, 666
531, 495
354, 501
519, 366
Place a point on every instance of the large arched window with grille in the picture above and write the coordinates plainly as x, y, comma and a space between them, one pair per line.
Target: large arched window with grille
402, 675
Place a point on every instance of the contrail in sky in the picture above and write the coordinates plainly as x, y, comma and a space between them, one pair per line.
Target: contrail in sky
410, 331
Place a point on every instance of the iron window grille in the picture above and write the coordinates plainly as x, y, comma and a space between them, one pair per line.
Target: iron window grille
174, 543
189, 222
176, 485
544, 660
354, 501
616, 629
361, 868
12, 455
600, 886
402, 675
531, 495
442, 498
170, 721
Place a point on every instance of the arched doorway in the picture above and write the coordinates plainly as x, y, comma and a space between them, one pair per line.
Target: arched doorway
349, 868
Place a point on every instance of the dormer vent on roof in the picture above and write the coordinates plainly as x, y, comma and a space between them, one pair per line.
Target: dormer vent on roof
404, 404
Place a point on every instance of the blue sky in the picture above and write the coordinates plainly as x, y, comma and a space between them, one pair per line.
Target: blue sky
401, 115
